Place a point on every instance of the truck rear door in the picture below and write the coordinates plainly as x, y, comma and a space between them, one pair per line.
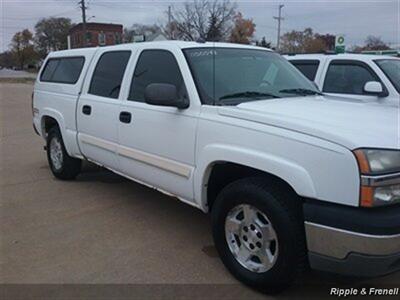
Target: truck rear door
309, 67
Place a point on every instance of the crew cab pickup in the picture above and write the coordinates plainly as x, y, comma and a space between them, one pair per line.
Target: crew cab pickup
290, 176
359, 76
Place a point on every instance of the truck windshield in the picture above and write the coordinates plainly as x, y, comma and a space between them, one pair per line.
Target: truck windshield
391, 68
230, 76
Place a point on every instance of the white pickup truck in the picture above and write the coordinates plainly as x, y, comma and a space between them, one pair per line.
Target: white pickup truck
291, 177
367, 78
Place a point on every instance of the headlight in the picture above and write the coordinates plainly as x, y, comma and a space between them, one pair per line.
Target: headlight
376, 161
387, 194
380, 176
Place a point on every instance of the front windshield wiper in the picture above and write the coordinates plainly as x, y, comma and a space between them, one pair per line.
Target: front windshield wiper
301, 91
248, 94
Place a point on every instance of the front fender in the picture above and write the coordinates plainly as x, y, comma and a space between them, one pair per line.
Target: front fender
295, 175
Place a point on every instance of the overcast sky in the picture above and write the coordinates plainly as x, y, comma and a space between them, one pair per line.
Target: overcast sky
355, 19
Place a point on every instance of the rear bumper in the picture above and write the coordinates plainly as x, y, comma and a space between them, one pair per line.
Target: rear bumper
353, 241
36, 124
35, 130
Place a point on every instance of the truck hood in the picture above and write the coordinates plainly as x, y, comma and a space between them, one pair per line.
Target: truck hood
347, 122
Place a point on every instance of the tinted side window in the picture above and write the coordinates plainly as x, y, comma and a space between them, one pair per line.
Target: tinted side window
391, 68
308, 68
68, 70
347, 78
155, 66
63, 70
108, 74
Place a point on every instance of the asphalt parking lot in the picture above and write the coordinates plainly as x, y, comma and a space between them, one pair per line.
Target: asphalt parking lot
102, 228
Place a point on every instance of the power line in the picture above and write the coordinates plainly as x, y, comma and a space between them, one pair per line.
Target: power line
37, 18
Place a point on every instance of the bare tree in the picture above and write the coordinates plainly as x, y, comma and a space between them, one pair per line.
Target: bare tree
375, 43
211, 20
140, 29
372, 43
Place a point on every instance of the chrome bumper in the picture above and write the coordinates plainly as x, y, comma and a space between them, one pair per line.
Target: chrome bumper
352, 253
339, 243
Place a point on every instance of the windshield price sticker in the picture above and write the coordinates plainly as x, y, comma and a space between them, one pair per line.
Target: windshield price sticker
371, 291
208, 52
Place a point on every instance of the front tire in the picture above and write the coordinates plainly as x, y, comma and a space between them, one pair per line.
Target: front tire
61, 164
259, 233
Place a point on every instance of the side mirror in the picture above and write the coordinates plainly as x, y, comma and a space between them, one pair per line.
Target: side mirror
164, 94
374, 88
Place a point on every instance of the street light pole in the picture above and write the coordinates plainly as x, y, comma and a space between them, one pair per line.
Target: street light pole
279, 18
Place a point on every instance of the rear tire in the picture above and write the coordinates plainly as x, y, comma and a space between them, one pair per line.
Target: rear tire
243, 249
61, 164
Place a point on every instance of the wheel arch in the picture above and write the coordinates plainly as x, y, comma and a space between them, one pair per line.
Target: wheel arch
47, 123
227, 165
51, 118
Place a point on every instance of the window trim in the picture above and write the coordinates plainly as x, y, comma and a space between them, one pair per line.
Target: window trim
136, 64
306, 62
94, 71
380, 68
352, 62
59, 59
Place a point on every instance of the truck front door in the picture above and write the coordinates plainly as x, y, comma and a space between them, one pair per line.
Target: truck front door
347, 78
157, 145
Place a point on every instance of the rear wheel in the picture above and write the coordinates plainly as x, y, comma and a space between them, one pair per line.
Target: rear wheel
61, 164
258, 232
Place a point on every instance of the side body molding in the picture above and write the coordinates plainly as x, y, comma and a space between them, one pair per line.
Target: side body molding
297, 177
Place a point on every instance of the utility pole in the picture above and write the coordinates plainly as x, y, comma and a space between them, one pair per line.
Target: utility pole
83, 8
279, 18
169, 22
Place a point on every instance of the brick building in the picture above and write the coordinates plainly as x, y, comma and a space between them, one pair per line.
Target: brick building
98, 34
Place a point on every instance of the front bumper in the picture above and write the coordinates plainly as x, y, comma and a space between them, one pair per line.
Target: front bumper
353, 241
355, 264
